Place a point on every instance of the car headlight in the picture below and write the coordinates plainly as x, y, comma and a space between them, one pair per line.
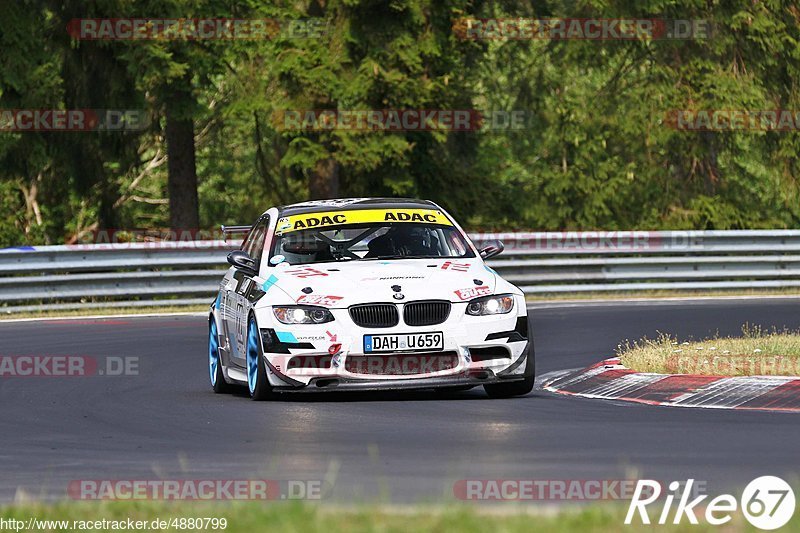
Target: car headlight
302, 315
491, 305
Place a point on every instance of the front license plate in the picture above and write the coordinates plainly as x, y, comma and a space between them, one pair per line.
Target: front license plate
404, 342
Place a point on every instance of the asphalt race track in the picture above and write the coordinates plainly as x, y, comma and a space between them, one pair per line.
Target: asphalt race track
166, 422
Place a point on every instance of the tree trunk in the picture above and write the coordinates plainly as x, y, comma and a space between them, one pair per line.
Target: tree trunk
181, 168
109, 194
323, 183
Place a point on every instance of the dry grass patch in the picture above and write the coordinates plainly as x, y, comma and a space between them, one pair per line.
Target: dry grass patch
755, 353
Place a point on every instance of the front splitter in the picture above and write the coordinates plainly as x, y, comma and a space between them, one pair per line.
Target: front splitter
330, 384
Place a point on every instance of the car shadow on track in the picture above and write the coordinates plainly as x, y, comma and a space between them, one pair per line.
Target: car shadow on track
382, 396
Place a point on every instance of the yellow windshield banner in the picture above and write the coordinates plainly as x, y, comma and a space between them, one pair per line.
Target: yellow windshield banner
360, 216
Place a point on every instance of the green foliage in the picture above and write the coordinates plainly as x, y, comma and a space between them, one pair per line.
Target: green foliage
596, 151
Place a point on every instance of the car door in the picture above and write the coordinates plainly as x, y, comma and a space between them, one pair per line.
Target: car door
242, 288
224, 311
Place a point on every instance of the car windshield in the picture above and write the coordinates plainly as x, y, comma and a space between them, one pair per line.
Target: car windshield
369, 241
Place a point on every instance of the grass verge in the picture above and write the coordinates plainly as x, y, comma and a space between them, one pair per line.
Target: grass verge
755, 353
292, 517
663, 294
110, 310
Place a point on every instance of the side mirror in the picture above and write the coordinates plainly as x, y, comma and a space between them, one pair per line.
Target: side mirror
492, 249
241, 261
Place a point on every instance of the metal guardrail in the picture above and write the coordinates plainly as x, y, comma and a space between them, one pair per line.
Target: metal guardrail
178, 273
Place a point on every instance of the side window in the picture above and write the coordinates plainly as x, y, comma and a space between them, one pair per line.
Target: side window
252, 237
247, 244
257, 246
254, 243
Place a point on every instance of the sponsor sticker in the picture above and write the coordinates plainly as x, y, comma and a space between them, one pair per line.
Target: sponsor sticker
286, 336
360, 216
473, 292
309, 338
319, 299
455, 267
306, 272
272, 280
283, 225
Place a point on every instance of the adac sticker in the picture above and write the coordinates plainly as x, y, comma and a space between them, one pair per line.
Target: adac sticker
360, 216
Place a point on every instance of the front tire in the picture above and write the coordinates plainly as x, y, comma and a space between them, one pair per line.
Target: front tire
218, 382
257, 382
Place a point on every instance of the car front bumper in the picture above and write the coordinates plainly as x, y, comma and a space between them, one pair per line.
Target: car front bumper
333, 356
517, 371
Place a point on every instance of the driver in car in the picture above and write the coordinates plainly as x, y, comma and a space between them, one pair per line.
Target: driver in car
301, 249
404, 240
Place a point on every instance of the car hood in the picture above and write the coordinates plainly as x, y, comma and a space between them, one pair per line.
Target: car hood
342, 284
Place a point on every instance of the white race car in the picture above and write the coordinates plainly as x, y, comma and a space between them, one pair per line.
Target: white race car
366, 294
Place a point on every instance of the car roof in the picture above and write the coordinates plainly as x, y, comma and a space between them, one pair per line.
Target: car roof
345, 204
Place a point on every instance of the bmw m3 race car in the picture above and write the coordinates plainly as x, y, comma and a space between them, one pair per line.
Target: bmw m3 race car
366, 294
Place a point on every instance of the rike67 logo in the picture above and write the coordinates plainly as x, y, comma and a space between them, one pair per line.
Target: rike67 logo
767, 503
